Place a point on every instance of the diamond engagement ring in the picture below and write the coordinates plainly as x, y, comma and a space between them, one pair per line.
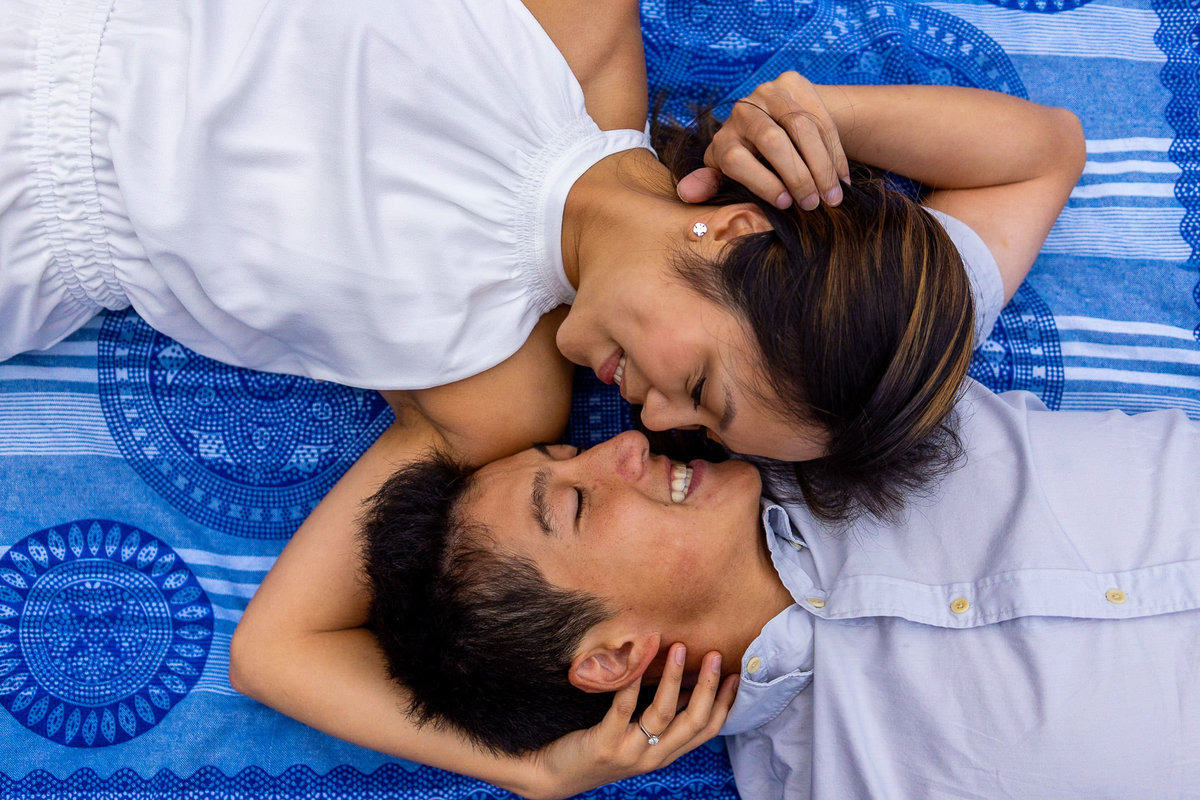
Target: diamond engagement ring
651, 738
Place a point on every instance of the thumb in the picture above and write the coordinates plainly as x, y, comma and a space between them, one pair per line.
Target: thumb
699, 185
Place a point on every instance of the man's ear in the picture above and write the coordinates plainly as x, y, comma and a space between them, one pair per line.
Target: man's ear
732, 221
609, 666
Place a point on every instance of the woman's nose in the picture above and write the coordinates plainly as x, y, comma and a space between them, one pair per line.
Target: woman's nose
660, 414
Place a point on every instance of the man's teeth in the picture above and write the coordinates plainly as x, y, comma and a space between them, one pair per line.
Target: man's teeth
620, 373
681, 479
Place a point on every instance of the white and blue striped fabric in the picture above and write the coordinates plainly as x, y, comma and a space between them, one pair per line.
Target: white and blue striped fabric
145, 491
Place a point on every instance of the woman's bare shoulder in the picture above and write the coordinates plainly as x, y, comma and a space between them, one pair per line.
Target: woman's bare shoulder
601, 41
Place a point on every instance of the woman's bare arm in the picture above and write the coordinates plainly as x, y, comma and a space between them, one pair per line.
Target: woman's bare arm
601, 41
1009, 189
301, 647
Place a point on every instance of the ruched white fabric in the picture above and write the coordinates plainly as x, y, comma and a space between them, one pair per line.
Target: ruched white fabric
365, 192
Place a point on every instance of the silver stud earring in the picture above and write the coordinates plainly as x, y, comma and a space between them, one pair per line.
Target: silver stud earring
699, 229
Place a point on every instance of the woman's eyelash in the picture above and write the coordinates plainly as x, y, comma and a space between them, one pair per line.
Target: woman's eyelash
698, 393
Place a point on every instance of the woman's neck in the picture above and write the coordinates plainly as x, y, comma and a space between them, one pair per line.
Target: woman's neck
616, 201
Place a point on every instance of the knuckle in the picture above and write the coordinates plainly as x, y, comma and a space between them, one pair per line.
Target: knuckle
775, 138
739, 159
801, 120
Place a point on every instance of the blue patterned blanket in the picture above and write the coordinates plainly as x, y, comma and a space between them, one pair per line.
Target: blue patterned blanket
145, 490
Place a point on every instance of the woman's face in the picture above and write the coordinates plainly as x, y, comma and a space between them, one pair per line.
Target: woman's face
687, 360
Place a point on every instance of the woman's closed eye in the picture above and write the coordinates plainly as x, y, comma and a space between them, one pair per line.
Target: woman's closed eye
698, 394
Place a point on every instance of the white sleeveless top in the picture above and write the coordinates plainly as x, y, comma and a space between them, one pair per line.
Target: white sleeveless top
360, 191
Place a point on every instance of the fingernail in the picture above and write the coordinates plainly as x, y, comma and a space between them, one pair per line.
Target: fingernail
680, 654
846, 179
811, 202
783, 201
715, 664
834, 196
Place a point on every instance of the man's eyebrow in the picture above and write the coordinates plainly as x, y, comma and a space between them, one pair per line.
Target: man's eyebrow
537, 500
727, 418
537, 494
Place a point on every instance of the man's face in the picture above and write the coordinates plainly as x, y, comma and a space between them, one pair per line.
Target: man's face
603, 521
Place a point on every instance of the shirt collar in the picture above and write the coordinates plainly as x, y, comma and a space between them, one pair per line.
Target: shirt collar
778, 663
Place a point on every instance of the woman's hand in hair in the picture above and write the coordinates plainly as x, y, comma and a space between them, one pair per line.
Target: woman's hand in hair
616, 748
785, 124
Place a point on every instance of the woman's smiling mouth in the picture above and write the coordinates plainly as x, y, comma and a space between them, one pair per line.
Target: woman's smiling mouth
607, 372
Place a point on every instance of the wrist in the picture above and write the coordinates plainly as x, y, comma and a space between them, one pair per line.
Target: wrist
530, 778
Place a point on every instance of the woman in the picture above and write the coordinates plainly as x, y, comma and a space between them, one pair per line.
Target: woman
240, 174
405, 198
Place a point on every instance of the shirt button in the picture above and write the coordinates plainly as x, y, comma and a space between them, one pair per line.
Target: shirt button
1115, 596
960, 605
815, 602
753, 665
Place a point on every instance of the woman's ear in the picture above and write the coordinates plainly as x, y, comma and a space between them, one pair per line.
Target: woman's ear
607, 667
732, 221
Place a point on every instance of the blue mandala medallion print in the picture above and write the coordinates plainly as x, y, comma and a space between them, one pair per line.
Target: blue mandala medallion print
711, 52
244, 452
1023, 351
103, 630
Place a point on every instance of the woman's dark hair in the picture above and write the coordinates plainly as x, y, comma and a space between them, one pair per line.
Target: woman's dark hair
864, 319
479, 637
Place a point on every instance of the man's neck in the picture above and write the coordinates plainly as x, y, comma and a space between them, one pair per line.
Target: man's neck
764, 598
755, 595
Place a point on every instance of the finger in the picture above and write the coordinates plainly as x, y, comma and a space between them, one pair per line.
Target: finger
704, 693
740, 163
816, 147
617, 720
693, 720
792, 92
699, 185
695, 724
716, 718
657, 717
776, 146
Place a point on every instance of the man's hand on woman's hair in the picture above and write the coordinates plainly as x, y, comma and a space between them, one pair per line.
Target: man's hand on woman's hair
785, 124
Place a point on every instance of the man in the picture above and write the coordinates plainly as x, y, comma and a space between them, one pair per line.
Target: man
1030, 629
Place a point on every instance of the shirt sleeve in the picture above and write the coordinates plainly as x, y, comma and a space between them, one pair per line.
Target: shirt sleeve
982, 270
774, 761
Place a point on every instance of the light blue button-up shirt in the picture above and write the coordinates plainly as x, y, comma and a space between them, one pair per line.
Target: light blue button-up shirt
1029, 629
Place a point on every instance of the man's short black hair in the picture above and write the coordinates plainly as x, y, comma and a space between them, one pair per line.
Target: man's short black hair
478, 636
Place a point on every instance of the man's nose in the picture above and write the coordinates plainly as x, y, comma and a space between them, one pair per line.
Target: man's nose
629, 451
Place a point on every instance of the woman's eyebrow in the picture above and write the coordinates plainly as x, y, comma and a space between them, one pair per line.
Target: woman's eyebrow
730, 410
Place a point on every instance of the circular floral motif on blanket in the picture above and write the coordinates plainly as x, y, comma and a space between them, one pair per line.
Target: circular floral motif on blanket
715, 52
103, 630
247, 453
1023, 351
